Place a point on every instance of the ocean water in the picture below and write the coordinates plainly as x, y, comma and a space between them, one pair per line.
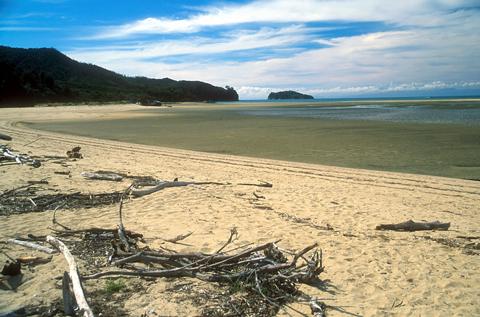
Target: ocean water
409, 112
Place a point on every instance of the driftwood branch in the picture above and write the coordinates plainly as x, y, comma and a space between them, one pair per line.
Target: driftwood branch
6, 153
258, 196
140, 188
411, 225
178, 238
121, 228
33, 260
54, 218
100, 175
32, 245
138, 192
68, 298
145, 258
83, 306
261, 184
176, 272
200, 260
39, 182
233, 237
5, 137
96, 231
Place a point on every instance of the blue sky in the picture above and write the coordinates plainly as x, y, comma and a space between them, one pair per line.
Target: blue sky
328, 48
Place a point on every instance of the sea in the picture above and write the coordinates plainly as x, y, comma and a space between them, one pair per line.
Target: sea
402, 110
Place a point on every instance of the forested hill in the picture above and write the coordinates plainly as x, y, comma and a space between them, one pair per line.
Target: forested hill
29, 76
289, 94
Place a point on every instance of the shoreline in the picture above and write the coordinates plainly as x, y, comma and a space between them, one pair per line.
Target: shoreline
368, 272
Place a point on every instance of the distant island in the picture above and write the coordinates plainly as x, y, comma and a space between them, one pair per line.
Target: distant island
32, 76
289, 94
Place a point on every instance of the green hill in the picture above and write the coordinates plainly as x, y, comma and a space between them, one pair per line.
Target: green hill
29, 76
289, 94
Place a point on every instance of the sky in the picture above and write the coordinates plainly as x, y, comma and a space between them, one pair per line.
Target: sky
326, 48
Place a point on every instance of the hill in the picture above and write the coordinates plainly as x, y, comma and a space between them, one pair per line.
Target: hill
289, 94
30, 76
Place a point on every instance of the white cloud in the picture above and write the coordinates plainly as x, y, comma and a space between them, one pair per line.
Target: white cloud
232, 41
406, 12
252, 93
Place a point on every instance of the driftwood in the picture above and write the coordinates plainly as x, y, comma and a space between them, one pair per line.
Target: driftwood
97, 231
138, 192
411, 225
318, 308
67, 296
258, 196
121, 229
205, 266
5, 137
267, 275
6, 153
19, 200
75, 153
99, 175
145, 258
178, 238
55, 221
32, 245
29, 260
197, 260
62, 172
82, 304
262, 184
140, 188
39, 182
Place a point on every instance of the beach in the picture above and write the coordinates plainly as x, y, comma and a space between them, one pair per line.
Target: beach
367, 272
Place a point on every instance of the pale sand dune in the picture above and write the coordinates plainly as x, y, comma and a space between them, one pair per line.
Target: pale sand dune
369, 272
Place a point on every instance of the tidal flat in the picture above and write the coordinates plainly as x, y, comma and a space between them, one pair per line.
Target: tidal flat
432, 143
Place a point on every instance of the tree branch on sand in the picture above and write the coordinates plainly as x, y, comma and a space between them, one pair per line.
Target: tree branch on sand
411, 225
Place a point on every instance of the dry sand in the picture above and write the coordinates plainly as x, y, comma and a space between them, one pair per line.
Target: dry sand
368, 272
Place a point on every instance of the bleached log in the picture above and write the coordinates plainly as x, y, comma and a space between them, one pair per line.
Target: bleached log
82, 304
411, 225
107, 176
166, 184
5, 137
175, 272
68, 300
19, 158
32, 245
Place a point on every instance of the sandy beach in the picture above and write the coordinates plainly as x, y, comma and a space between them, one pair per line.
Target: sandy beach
367, 272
